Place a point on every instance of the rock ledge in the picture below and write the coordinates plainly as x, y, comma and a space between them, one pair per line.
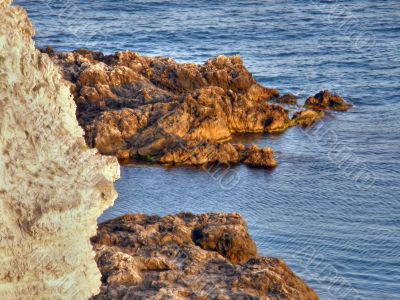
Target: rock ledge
186, 256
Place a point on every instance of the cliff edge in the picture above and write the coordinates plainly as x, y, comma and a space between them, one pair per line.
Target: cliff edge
52, 186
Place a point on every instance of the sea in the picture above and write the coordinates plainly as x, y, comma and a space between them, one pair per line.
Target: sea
331, 209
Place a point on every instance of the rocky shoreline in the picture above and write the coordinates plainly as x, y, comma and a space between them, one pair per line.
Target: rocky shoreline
186, 256
54, 187
156, 110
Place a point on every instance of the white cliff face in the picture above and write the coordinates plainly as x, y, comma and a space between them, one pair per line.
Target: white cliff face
52, 187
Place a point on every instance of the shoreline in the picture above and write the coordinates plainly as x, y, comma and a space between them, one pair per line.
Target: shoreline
154, 109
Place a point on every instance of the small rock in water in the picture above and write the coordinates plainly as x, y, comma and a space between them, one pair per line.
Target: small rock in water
327, 100
287, 99
260, 158
307, 118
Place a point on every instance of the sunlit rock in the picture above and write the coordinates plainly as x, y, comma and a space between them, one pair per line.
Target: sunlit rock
52, 186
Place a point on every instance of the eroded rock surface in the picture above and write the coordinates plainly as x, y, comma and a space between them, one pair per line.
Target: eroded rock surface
289, 98
52, 186
186, 256
307, 118
259, 158
154, 108
327, 100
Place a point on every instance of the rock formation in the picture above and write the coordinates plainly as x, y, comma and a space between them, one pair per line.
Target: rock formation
52, 186
287, 99
307, 118
260, 158
186, 256
327, 100
158, 110
154, 109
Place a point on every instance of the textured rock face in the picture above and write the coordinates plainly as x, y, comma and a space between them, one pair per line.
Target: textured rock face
327, 100
155, 109
142, 107
186, 256
260, 158
288, 99
307, 118
52, 186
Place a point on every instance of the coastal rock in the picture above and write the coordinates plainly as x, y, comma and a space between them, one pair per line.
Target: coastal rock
327, 100
200, 154
150, 107
157, 110
52, 186
307, 118
186, 256
259, 158
287, 99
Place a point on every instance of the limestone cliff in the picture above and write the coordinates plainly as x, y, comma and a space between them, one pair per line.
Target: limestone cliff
52, 186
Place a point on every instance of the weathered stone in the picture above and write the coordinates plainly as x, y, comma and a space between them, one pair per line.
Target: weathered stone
52, 186
186, 256
327, 100
307, 118
154, 106
259, 158
287, 99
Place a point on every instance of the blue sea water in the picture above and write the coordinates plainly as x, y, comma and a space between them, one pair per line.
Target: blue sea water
331, 208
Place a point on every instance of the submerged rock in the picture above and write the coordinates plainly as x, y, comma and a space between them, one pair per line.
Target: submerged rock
327, 100
186, 256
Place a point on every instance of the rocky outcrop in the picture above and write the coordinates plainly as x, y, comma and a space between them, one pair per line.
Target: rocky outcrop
224, 153
155, 109
259, 158
289, 99
52, 186
186, 256
327, 100
307, 118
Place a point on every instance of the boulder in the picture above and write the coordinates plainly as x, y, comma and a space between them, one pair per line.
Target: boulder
307, 118
327, 100
289, 99
259, 158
